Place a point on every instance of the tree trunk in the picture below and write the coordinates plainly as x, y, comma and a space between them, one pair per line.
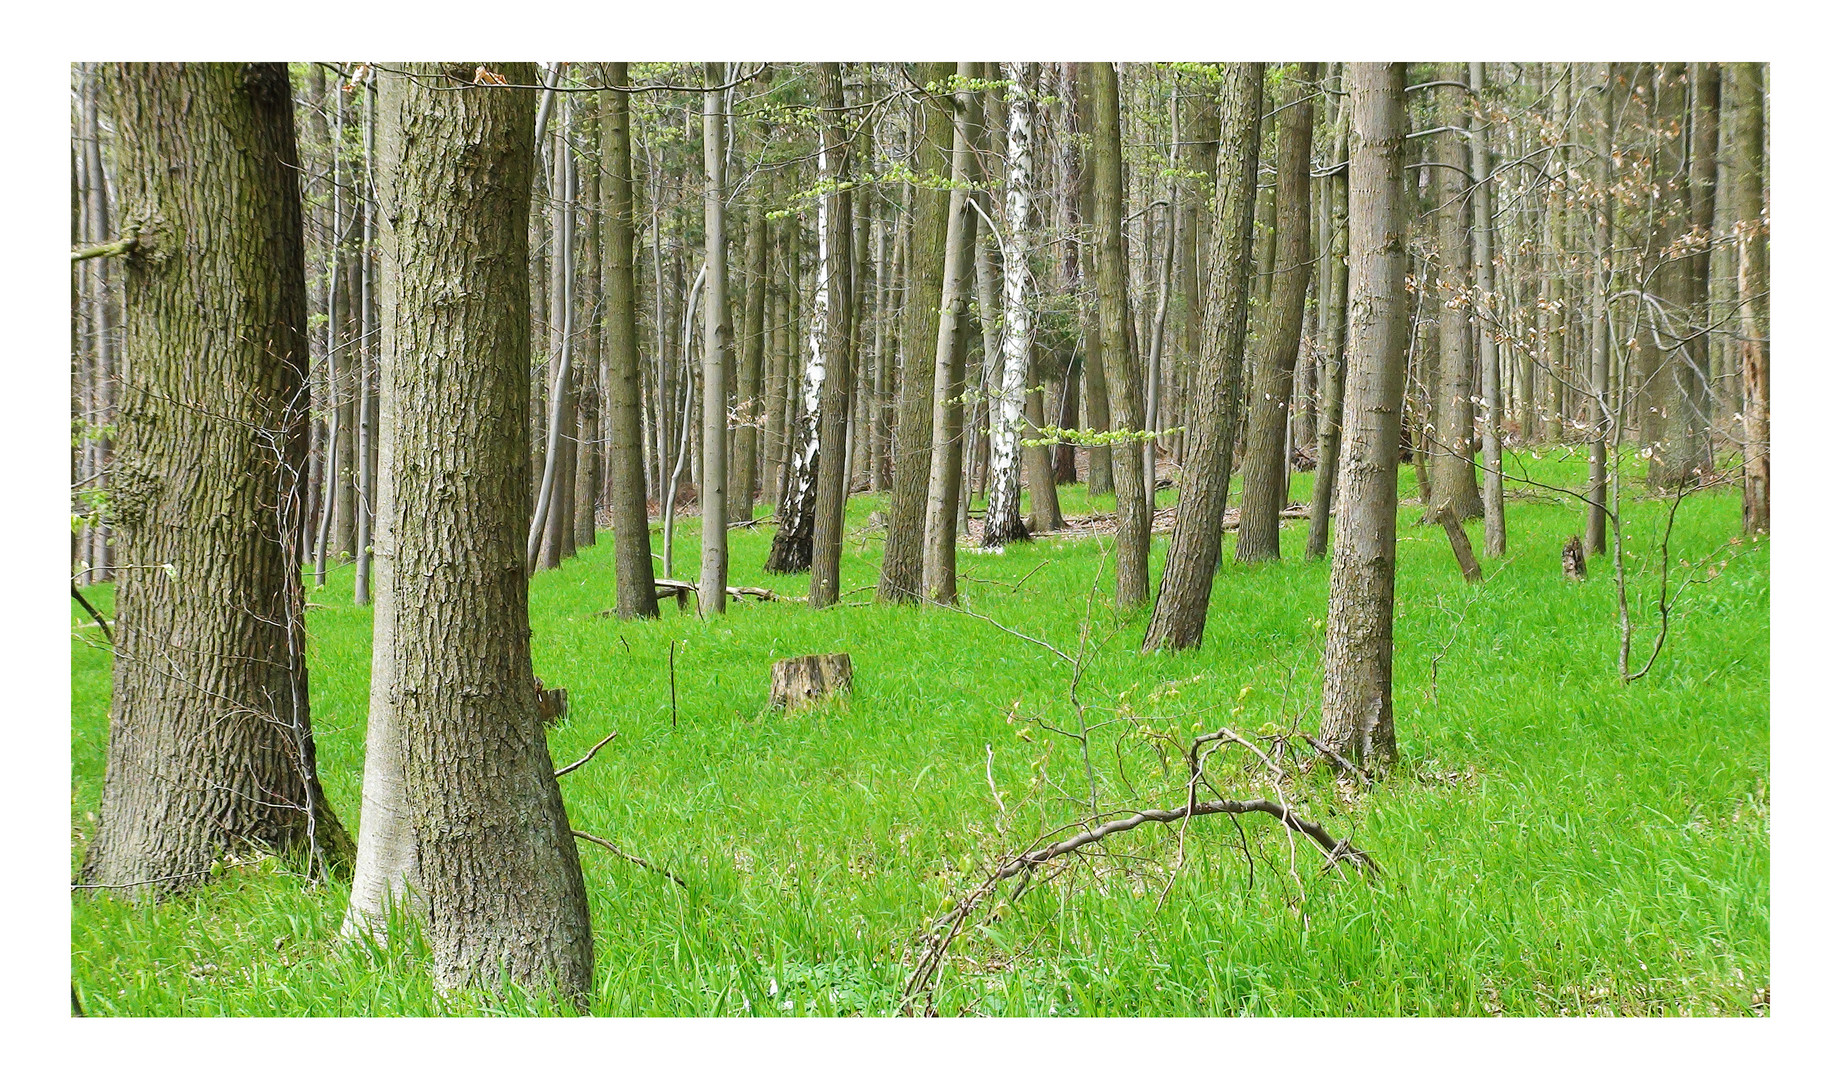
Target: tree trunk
210, 749
901, 571
462, 816
1003, 524
1264, 465
939, 576
1603, 423
830, 336
1101, 466
1197, 535
1357, 715
1490, 384
751, 372
1752, 227
717, 348
1133, 519
1337, 282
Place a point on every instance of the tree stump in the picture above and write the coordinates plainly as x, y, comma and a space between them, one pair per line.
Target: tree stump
802, 680
1574, 559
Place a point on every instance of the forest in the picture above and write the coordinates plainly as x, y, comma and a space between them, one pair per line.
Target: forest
740, 539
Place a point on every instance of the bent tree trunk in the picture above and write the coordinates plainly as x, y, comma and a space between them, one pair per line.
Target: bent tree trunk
1357, 718
624, 448
1197, 535
1264, 466
210, 745
460, 800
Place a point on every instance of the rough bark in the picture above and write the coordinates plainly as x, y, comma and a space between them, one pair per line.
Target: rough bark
1685, 456
210, 748
1452, 469
901, 571
461, 805
1197, 535
1357, 715
1264, 464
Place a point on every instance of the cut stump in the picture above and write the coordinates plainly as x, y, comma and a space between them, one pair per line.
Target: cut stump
1574, 559
803, 680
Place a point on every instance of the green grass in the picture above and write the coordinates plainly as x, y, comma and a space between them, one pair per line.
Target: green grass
1555, 842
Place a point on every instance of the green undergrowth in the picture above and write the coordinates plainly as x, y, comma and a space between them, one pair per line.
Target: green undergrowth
1554, 842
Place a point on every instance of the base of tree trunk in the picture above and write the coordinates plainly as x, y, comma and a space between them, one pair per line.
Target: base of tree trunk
1461, 545
804, 680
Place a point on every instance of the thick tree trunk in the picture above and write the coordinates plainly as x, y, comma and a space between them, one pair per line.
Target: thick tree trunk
1197, 535
901, 571
1264, 464
1357, 715
1101, 466
939, 577
467, 824
210, 748
1133, 518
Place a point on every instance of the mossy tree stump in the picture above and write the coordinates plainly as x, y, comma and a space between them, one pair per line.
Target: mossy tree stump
804, 680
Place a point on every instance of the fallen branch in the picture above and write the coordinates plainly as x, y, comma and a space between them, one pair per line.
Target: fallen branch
946, 928
558, 773
627, 856
667, 587
1339, 761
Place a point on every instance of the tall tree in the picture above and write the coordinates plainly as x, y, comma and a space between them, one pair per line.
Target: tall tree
624, 445
1197, 534
901, 571
1357, 715
717, 348
939, 581
1451, 458
1133, 518
463, 821
1752, 230
1490, 384
1003, 523
1335, 285
830, 340
210, 748
1096, 412
1264, 464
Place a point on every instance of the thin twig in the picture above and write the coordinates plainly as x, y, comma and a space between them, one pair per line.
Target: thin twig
558, 773
627, 856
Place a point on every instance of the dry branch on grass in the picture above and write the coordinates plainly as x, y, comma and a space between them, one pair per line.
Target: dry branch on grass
627, 856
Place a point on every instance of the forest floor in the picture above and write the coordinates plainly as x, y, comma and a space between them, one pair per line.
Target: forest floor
1555, 842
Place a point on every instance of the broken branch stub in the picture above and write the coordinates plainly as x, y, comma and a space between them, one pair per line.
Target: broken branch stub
803, 680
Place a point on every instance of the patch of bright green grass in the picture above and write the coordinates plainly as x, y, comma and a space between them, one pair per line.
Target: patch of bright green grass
1555, 842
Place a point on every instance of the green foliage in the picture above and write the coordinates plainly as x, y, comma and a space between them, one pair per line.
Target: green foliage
1555, 842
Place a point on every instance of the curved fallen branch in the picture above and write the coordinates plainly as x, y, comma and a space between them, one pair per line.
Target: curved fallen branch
948, 926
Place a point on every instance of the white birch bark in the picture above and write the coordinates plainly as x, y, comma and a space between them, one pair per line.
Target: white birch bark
1003, 522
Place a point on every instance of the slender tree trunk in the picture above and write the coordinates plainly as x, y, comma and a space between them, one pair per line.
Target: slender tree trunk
901, 572
1133, 519
552, 526
1491, 405
1197, 534
589, 453
1357, 714
624, 450
717, 347
1602, 423
832, 342
210, 748
463, 818
1101, 466
1752, 227
1003, 524
366, 352
939, 578
751, 372
1331, 364
1451, 454
1264, 465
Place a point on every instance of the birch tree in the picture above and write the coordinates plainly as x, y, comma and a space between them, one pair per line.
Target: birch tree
717, 348
1003, 524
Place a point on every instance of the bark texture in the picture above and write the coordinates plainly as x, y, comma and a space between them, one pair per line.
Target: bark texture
1003, 524
831, 339
466, 811
1264, 464
210, 747
1357, 717
1197, 535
